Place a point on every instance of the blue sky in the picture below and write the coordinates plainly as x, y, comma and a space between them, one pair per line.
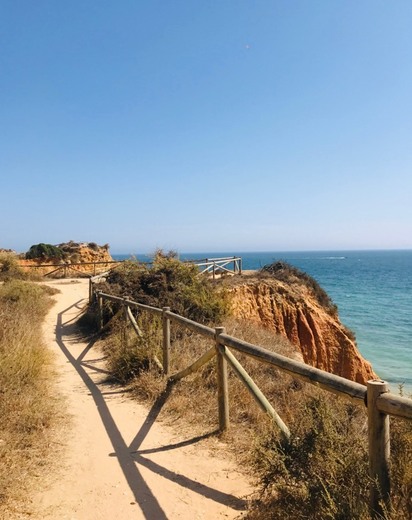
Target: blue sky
206, 125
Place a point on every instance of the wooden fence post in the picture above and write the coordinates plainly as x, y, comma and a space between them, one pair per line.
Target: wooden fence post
125, 321
100, 310
222, 384
379, 450
166, 340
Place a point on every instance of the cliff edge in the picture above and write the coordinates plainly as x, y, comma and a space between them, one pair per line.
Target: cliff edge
290, 303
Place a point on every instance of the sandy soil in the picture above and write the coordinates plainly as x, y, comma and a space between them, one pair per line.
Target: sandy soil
118, 461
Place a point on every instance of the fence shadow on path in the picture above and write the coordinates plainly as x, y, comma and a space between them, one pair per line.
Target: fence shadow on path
129, 456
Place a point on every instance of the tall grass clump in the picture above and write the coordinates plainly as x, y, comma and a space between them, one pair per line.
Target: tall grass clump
322, 472
27, 408
10, 268
401, 469
129, 356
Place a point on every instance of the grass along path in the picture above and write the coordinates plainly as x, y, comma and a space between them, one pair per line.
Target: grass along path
118, 460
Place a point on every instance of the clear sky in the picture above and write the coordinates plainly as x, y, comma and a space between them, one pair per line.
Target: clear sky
206, 125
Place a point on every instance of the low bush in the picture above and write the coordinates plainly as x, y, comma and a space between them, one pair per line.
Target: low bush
45, 251
10, 268
169, 283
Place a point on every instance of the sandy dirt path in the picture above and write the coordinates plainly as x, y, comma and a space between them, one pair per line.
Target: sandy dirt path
118, 462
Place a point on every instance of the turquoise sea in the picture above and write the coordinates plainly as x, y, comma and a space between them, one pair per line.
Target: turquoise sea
373, 291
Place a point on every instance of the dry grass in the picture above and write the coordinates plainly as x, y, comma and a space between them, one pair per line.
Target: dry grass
10, 269
28, 409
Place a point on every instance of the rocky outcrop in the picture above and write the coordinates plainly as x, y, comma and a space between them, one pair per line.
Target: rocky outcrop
293, 310
85, 257
84, 252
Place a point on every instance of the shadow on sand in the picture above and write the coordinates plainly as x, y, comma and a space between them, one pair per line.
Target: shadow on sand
129, 456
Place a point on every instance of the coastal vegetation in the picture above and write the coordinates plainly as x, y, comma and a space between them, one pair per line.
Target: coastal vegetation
10, 268
287, 273
322, 471
28, 409
44, 251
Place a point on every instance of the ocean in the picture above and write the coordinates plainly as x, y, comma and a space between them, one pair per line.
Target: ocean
373, 292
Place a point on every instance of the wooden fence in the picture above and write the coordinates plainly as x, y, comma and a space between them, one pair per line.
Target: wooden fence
375, 395
85, 269
219, 266
211, 266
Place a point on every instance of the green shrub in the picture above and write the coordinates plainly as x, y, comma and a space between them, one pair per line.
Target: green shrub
44, 251
169, 283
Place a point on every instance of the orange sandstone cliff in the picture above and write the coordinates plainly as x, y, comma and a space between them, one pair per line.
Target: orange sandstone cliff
82, 254
292, 308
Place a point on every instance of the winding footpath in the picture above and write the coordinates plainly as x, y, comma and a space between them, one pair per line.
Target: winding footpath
117, 460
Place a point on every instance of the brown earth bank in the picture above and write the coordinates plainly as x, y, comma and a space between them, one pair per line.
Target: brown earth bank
292, 310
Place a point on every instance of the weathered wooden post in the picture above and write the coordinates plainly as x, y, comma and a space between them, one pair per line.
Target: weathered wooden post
166, 339
379, 450
222, 384
125, 321
90, 290
100, 310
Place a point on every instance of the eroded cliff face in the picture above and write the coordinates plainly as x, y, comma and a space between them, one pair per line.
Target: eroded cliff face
84, 252
292, 310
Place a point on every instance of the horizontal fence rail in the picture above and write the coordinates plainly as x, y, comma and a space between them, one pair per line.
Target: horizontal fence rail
86, 269
375, 395
219, 266
212, 266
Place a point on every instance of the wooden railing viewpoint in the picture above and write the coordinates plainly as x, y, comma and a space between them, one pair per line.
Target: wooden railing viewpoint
219, 266
375, 395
